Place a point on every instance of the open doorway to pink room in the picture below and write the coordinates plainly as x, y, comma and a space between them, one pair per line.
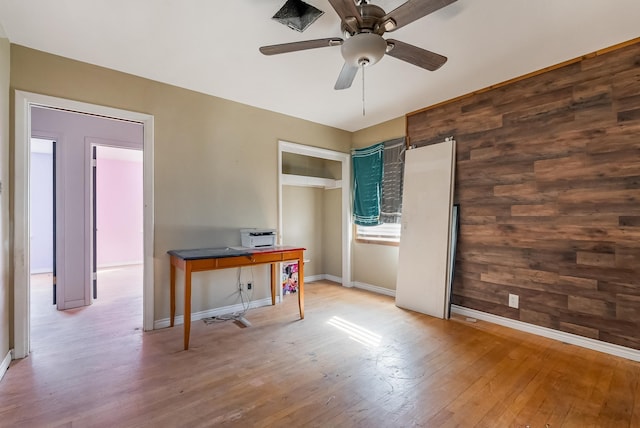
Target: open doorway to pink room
82, 264
117, 253
86, 221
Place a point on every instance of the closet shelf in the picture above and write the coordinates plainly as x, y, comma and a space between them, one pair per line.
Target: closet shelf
307, 181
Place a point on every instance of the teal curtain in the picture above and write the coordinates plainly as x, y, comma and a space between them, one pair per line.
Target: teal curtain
367, 184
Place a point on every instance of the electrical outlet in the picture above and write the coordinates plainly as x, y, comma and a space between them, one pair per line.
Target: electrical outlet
249, 285
514, 300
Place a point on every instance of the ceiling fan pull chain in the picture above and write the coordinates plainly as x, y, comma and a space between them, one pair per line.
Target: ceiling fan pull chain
363, 90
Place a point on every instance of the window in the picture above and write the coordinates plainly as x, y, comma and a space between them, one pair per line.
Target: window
383, 233
387, 231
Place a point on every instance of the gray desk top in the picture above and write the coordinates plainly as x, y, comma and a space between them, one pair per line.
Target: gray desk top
219, 253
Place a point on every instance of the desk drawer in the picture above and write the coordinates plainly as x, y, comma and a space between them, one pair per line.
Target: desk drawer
202, 265
292, 255
267, 258
226, 262
254, 259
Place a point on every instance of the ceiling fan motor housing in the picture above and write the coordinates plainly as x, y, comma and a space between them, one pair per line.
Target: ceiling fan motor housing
363, 49
370, 15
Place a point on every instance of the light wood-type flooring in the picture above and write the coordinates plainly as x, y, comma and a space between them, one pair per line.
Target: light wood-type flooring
355, 360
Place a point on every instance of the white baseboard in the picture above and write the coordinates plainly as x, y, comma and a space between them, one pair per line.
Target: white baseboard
4, 366
322, 277
313, 278
333, 278
118, 264
40, 271
574, 339
375, 289
356, 284
166, 322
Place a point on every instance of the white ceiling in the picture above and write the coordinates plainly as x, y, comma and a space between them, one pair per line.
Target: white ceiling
211, 46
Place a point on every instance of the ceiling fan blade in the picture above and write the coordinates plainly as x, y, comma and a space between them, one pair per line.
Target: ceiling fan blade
300, 46
347, 11
411, 11
415, 55
345, 79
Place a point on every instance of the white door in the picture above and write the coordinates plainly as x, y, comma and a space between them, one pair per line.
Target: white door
423, 264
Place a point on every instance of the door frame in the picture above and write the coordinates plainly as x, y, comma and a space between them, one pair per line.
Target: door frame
21, 209
343, 184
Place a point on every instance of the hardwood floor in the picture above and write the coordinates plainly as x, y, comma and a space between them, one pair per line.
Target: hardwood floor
355, 360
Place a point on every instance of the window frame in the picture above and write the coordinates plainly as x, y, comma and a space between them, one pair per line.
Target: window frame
390, 239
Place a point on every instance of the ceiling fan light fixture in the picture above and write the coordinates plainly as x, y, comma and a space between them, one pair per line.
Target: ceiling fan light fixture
363, 48
389, 25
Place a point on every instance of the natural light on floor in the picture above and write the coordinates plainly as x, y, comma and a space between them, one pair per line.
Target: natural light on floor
357, 333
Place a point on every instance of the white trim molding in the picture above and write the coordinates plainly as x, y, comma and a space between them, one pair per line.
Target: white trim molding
21, 268
225, 310
325, 277
574, 339
120, 264
344, 184
41, 271
375, 289
4, 366
336, 279
313, 278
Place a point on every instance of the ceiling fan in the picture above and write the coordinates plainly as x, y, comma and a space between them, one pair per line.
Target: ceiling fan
363, 25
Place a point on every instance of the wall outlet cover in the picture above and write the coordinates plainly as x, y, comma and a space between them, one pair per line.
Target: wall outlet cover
514, 301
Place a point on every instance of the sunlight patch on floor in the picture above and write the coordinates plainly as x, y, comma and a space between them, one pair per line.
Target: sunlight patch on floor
357, 333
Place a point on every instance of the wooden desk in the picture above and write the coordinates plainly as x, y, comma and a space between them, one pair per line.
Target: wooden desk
204, 259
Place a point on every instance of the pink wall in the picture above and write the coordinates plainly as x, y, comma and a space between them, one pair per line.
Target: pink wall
119, 211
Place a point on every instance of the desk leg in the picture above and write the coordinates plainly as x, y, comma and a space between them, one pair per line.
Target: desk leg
301, 286
273, 283
173, 293
187, 304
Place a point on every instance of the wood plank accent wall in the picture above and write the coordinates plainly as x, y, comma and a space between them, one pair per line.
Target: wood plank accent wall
548, 182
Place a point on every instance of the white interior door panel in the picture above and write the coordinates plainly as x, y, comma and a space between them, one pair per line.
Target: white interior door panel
423, 265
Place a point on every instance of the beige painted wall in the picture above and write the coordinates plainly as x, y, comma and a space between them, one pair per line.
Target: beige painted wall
293, 163
376, 264
332, 232
4, 199
215, 162
312, 217
394, 128
302, 209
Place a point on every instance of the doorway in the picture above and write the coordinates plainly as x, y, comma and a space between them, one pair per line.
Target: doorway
42, 207
22, 205
117, 237
41, 223
336, 190
117, 253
